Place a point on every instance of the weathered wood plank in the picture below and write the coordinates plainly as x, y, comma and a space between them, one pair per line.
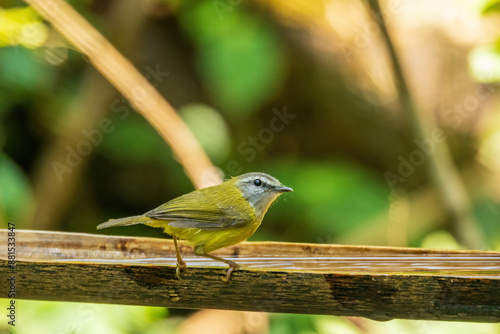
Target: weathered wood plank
140, 271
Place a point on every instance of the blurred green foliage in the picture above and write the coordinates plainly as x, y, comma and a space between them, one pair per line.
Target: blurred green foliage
22, 26
73, 318
485, 63
240, 59
139, 130
229, 72
16, 198
210, 128
490, 6
346, 197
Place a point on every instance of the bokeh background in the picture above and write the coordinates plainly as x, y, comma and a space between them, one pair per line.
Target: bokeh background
302, 90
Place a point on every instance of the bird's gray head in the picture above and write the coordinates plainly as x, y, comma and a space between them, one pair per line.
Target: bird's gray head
260, 190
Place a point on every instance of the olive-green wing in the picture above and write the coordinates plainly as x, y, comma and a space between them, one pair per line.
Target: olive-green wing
196, 210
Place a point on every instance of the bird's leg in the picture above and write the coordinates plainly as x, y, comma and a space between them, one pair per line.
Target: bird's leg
232, 265
181, 265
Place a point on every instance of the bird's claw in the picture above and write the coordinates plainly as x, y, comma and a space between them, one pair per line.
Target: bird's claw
232, 266
180, 267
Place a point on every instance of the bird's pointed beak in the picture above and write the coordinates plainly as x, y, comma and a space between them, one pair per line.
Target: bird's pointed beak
284, 189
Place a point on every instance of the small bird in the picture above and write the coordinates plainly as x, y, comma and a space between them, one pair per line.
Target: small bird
213, 217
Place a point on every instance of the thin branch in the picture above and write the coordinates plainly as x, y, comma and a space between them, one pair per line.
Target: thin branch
125, 77
440, 164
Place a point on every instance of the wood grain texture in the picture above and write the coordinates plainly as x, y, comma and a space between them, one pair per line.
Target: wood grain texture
122, 270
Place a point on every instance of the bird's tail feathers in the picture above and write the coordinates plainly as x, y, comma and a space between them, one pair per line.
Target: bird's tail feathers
124, 222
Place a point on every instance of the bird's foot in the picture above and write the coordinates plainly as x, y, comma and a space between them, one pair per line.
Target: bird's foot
181, 266
232, 266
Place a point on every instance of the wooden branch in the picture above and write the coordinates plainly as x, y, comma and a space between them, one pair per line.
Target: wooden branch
381, 283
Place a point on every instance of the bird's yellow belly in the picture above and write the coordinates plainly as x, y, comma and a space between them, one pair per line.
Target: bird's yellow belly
206, 241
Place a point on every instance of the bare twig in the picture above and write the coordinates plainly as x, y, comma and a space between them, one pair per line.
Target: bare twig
442, 170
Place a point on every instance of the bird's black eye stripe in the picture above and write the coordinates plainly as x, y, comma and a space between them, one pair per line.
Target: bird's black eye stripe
257, 182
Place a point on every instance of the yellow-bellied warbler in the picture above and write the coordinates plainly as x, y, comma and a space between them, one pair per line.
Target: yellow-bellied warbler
213, 217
